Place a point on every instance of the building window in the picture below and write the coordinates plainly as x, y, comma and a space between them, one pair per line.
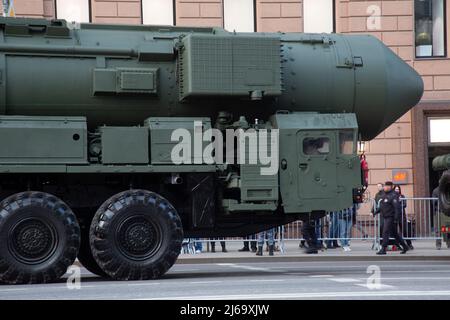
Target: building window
318, 16
73, 10
239, 15
158, 12
438, 130
430, 28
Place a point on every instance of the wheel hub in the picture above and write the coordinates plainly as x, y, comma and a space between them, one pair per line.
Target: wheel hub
138, 238
32, 240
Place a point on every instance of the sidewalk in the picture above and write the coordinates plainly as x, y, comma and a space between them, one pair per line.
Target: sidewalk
361, 251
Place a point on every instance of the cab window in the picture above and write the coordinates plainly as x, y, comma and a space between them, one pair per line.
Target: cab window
347, 142
316, 146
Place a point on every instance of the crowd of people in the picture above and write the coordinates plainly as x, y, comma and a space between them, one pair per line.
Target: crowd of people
389, 203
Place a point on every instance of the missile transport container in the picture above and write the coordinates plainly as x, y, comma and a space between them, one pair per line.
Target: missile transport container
105, 132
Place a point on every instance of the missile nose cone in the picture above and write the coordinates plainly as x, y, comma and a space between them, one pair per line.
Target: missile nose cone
404, 88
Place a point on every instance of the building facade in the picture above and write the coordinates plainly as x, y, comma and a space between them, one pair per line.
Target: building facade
416, 30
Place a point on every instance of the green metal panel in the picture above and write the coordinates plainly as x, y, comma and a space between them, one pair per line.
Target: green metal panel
161, 130
311, 182
256, 187
316, 174
230, 65
38, 140
125, 80
124, 145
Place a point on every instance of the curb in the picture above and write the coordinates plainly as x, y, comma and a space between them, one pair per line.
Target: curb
310, 259
306, 259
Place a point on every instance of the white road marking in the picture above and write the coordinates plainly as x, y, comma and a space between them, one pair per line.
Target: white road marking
8, 290
311, 295
204, 282
144, 284
322, 276
239, 266
379, 286
344, 280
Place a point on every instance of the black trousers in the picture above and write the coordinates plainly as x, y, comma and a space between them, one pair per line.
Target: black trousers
390, 230
250, 244
309, 233
222, 243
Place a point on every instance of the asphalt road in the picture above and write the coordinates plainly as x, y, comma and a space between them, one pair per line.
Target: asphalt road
294, 280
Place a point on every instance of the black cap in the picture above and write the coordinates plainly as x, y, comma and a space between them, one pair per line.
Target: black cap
388, 183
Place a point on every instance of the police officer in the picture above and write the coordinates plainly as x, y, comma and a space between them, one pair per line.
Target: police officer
390, 211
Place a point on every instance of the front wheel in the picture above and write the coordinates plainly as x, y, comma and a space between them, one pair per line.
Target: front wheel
39, 238
136, 235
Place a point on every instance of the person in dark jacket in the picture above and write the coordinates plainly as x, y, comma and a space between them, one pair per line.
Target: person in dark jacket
377, 197
390, 211
404, 225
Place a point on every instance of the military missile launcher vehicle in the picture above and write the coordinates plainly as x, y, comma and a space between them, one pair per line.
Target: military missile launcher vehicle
94, 120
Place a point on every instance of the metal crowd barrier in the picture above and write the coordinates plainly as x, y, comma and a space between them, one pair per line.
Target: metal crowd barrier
419, 221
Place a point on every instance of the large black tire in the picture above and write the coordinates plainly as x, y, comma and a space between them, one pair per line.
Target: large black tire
85, 254
136, 235
39, 238
444, 193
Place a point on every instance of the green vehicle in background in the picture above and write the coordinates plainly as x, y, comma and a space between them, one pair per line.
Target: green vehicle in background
442, 193
88, 114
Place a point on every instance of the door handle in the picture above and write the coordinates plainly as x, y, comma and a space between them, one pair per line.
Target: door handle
303, 166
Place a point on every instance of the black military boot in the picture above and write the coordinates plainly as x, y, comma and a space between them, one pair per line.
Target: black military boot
271, 249
405, 248
260, 251
244, 249
382, 251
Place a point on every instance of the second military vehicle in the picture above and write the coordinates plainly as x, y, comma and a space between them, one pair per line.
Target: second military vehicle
441, 164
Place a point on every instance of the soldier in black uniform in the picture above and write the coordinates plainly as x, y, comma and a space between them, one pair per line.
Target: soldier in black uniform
390, 211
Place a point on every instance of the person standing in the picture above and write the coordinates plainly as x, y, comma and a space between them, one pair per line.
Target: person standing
269, 234
378, 195
345, 225
198, 246
250, 244
333, 230
310, 236
403, 221
222, 244
390, 211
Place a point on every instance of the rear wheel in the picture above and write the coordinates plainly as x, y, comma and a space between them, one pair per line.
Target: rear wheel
39, 238
136, 235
